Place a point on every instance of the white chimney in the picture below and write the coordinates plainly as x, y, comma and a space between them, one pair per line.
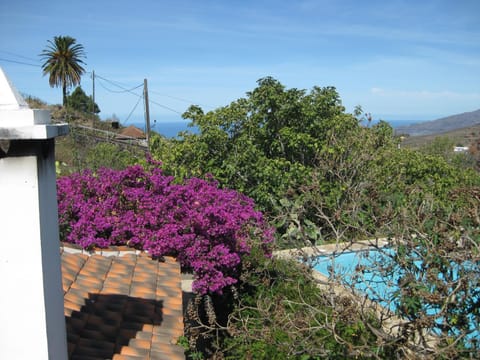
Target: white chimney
31, 304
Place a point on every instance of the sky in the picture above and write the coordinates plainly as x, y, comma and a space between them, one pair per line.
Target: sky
399, 59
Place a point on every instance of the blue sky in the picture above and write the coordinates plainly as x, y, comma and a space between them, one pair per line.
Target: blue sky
410, 59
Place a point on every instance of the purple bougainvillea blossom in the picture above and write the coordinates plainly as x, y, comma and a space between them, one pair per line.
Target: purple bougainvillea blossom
206, 228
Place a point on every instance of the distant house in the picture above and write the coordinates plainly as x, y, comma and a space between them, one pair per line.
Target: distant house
131, 132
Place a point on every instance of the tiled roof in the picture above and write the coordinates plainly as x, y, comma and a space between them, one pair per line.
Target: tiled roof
133, 132
122, 307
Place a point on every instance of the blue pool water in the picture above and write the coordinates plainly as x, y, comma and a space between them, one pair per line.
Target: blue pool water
356, 269
345, 264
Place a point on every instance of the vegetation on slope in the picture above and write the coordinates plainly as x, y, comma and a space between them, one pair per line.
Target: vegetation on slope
91, 142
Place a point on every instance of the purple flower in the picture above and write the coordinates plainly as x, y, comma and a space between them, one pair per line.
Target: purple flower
206, 228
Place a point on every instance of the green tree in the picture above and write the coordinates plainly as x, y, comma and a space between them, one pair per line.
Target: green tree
80, 101
111, 156
63, 63
443, 146
434, 266
263, 144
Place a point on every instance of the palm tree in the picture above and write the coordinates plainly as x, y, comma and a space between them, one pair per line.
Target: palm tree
63, 63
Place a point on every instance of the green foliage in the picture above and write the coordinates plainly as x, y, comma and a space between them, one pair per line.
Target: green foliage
443, 146
404, 169
281, 313
314, 169
79, 101
82, 149
341, 199
293, 224
111, 156
34, 102
438, 260
190, 354
262, 145
440, 146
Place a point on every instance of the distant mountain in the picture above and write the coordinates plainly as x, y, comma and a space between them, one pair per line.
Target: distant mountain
442, 125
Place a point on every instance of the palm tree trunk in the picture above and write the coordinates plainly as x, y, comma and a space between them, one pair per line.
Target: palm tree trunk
64, 92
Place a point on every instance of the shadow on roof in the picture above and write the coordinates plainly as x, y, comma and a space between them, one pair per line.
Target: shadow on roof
107, 323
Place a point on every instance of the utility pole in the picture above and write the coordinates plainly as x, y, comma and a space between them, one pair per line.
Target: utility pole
147, 112
93, 98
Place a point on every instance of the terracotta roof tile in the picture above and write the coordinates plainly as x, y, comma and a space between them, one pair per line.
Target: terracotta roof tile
133, 132
121, 307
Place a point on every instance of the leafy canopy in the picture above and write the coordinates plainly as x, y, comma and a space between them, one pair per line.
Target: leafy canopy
261, 145
309, 165
80, 101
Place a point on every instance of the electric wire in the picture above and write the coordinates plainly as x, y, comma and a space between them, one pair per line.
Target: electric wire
179, 99
131, 92
19, 55
18, 62
165, 107
116, 84
124, 90
131, 112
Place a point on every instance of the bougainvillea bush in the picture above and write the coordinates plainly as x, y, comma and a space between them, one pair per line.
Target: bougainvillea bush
206, 228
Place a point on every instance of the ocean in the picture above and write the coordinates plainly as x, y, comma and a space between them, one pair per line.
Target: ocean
172, 128
397, 123
168, 129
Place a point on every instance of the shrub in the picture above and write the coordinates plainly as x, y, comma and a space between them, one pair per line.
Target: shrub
278, 311
206, 228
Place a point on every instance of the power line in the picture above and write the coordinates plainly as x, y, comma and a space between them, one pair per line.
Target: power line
131, 112
123, 89
150, 91
179, 99
131, 92
120, 86
166, 107
19, 62
18, 55
116, 84
118, 91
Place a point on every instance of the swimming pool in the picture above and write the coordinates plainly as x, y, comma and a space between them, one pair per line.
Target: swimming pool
350, 266
360, 270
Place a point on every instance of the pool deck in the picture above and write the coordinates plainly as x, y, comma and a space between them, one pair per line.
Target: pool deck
328, 249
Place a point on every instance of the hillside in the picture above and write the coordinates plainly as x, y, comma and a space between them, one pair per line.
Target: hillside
91, 142
449, 123
461, 137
